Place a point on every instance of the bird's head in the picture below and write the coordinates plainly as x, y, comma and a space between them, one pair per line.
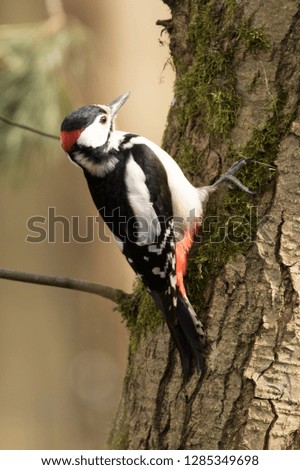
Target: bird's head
90, 126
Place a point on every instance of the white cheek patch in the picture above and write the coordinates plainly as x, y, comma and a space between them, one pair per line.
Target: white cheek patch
95, 135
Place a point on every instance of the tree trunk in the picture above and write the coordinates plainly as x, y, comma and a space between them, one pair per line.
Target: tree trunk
236, 95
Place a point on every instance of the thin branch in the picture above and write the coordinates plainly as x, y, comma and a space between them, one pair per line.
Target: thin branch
115, 295
167, 24
27, 128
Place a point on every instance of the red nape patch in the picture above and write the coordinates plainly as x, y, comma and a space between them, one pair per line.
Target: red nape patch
182, 250
68, 139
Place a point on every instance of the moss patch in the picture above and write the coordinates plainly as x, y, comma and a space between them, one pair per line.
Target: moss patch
207, 88
118, 441
255, 39
140, 314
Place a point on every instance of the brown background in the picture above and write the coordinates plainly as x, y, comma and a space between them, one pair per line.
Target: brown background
63, 354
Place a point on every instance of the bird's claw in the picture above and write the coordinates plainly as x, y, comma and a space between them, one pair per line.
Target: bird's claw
230, 178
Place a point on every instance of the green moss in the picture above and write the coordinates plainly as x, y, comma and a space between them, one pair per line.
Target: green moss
140, 314
188, 157
207, 87
255, 39
118, 441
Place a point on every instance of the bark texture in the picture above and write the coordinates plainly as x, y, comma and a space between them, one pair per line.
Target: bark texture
249, 396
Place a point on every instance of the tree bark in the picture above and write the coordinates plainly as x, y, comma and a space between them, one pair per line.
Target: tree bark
248, 397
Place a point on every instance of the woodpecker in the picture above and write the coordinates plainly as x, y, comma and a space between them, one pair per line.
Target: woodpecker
153, 211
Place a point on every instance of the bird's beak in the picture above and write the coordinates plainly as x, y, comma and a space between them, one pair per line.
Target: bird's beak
116, 104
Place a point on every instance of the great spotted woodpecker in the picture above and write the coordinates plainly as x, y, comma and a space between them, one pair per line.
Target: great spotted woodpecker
153, 211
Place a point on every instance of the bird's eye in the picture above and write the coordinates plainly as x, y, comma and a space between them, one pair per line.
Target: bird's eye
103, 119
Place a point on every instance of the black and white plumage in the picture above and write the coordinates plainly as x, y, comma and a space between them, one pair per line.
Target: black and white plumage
141, 193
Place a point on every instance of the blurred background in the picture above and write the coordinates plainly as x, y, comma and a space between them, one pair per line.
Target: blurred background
63, 353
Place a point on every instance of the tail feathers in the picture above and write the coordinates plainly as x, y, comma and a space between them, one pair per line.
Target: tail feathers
184, 349
182, 345
192, 330
186, 331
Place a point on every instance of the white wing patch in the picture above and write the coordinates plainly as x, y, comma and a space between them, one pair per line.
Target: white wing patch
187, 205
147, 227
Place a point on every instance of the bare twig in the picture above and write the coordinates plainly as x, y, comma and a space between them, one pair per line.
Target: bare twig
167, 24
28, 128
115, 295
